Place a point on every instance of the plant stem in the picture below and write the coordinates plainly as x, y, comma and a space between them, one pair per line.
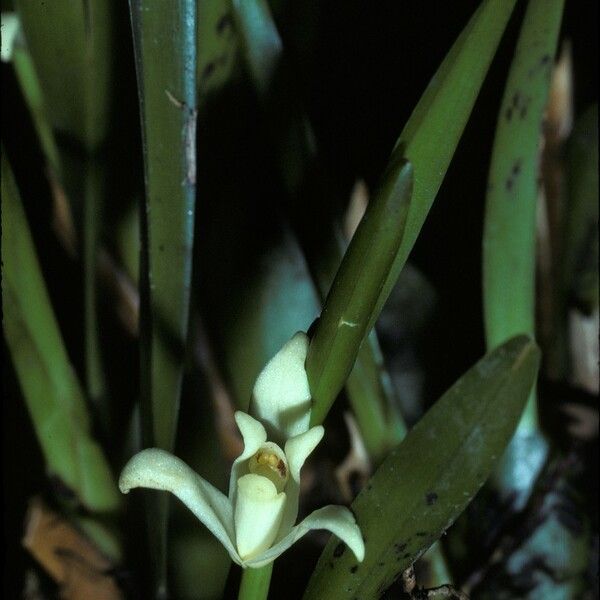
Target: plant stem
255, 583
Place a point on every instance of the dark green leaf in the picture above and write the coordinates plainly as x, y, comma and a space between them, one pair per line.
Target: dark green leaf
424, 484
349, 307
164, 36
70, 41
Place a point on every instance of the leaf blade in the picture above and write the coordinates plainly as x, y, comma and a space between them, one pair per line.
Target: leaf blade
433, 131
509, 251
53, 394
424, 484
348, 309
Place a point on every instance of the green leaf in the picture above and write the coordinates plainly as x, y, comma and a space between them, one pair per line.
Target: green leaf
70, 41
53, 394
509, 235
164, 36
371, 396
348, 310
79, 110
510, 222
433, 131
30, 87
424, 484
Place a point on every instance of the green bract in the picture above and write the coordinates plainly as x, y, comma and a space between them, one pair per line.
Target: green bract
255, 522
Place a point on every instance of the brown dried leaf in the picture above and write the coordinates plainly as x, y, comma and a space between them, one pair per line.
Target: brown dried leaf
77, 566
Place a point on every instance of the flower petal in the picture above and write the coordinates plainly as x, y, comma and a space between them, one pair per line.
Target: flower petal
298, 448
337, 519
254, 436
281, 396
258, 513
159, 470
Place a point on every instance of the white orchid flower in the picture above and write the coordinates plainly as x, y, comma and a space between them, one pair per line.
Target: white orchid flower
255, 522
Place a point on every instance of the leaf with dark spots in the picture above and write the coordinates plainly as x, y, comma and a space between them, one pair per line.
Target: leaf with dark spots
208, 71
471, 424
431, 498
509, 228
354, 569
339, 550
225, 22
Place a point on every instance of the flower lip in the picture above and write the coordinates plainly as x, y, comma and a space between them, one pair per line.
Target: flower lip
258, 514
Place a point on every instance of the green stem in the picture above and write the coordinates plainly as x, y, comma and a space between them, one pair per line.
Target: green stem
255, 583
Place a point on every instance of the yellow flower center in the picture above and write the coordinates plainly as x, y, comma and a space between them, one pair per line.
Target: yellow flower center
270, 462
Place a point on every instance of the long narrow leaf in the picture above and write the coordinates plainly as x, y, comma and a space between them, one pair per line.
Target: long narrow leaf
79, 111
70, 45
165, 60
424, 484
433, 131
509, 229
17, 52
164, 36
50, 387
